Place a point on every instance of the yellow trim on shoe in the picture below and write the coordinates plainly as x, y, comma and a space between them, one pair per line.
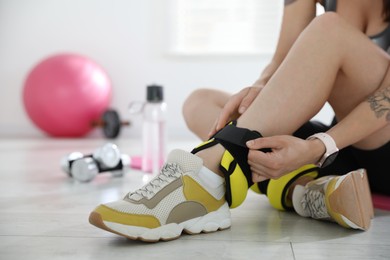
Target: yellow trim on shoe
110, 215
193, 191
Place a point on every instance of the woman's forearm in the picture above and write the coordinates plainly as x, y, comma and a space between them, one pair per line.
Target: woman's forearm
371, 115
296, 16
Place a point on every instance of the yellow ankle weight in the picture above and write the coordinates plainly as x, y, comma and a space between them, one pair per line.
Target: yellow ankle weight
234, 162
256, 188
236, 193
277, 190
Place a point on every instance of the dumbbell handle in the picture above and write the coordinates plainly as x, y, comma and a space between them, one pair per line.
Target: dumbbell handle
102, 123
119, 166
101, 168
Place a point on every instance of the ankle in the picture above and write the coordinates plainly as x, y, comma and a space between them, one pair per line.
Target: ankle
211, 158
302, 181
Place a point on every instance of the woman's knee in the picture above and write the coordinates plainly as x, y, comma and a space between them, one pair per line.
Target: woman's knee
328, 20
193, 101
327, 24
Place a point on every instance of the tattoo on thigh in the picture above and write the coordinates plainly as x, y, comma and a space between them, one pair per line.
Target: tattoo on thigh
380, 103
287, 2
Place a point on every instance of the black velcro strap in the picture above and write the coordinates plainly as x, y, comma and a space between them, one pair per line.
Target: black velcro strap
236, 135
263, 186
234, 140
208, 144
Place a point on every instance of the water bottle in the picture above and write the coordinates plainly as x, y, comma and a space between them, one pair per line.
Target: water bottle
153, 130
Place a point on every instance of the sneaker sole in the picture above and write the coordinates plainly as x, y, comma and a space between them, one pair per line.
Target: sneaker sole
350, 202
211, 222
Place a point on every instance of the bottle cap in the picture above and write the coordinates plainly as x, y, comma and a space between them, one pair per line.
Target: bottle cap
154, 93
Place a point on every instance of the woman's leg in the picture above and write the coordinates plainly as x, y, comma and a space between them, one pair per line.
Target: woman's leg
201, 109
330, 61
328, 51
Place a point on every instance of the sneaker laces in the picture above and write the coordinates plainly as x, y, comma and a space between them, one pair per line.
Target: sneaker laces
313, 203
169, 173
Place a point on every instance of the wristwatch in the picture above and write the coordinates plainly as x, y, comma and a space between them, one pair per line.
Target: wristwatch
331, 149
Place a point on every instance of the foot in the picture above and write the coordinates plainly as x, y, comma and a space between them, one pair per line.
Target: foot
344, 199
181, 198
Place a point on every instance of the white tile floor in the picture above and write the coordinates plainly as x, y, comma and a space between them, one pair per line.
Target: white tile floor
44, 215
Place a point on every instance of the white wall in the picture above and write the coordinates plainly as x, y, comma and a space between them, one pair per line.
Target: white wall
127, 37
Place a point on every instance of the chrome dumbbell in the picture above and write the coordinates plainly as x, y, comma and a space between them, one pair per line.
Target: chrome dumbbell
105, 159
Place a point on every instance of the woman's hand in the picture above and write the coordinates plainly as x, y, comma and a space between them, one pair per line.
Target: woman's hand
288, 154
236, 105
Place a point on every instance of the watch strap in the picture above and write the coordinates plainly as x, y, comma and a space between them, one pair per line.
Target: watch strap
330, 147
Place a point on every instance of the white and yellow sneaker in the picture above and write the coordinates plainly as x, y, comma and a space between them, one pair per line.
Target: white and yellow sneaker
344, 199
185, 196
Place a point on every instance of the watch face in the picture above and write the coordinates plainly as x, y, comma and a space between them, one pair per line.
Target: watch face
329, 159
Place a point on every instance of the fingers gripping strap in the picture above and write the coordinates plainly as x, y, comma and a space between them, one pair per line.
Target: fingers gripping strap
234, 140
277, 190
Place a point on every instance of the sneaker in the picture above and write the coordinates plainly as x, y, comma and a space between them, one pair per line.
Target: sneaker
344, 199
180, 199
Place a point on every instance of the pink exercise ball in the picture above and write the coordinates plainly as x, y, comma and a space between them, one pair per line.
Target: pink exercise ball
65, 93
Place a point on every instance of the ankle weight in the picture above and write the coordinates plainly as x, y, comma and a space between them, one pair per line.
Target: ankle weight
237, 173
234, 163
277, 189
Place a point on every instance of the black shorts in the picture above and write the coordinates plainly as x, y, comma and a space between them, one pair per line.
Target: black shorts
376, 162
